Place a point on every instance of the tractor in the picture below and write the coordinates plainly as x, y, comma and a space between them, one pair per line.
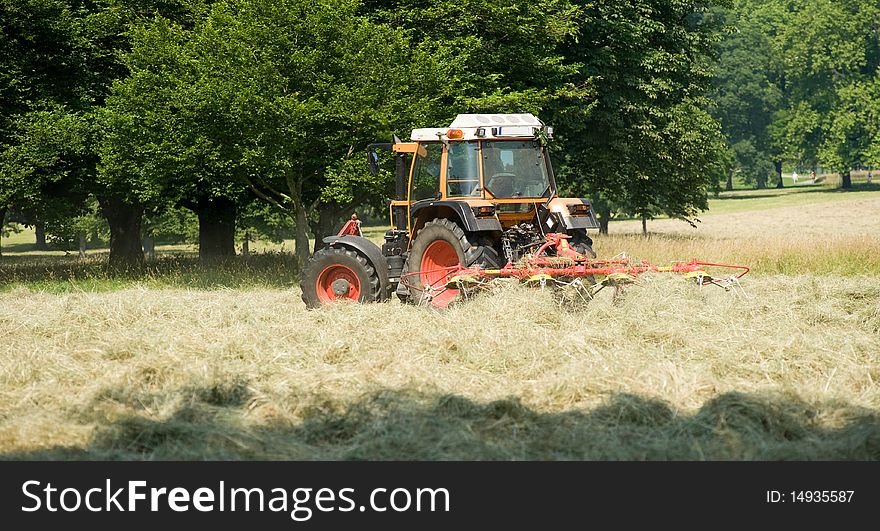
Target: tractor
479, 193
475, 202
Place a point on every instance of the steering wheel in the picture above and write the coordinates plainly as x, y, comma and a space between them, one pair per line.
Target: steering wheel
501, 184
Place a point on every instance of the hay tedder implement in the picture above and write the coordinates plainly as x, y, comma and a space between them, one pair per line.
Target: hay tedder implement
563, 269
476, 203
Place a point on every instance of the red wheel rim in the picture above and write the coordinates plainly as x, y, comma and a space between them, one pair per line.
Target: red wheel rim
439, 256
338, 282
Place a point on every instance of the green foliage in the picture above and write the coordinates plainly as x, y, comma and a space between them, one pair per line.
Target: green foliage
266, 97
746, 96
166, 102
47, 170
645, 141
502, 55
64, 230
850, 141
793, 82
259, 220
39, 63
8, 229
170, 225
43, 76
50, 149
57, 61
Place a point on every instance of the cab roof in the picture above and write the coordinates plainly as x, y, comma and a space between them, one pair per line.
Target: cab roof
475, 126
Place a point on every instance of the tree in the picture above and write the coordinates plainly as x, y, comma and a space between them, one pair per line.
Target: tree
3, 210
824, 47
39, 76
746, 96
645, 143
278, 98
872, 153
49, 165
852, 123
58, 60
803, 54
504, 55
849, 140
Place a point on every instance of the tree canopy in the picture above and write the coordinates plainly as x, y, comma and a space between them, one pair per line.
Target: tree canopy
793, 85
247, 112
645, 143
274, 98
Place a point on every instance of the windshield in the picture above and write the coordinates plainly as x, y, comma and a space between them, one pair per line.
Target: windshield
515, 168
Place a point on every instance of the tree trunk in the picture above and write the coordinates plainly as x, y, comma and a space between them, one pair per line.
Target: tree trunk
778, 166
3, 210
328, 223
845, 180
81, 236
319, 229
245, 245
604, 212
729, 186
216, 227
644, 226
301, 216
126, 254
40, 233
149, 245
301, 247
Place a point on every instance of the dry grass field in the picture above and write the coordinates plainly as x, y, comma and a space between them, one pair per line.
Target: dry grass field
791, 232
177, 366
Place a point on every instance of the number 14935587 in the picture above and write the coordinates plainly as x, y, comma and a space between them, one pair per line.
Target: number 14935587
810, 496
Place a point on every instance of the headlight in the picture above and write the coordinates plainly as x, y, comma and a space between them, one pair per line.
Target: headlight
579, 209
484, 211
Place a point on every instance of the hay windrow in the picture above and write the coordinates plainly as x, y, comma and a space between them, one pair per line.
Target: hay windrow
664, 371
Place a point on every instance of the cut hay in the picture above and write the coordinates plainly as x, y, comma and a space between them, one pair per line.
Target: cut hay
665, 371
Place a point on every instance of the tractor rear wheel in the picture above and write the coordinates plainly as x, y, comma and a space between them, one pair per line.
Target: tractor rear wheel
438, 246
339, 274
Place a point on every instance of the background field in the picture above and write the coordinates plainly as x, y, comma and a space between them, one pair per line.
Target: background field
225, 362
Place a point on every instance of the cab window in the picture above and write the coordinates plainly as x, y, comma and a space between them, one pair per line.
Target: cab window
426, 172
463, 170
515, 168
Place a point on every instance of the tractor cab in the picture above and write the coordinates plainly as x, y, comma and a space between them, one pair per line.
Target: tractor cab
497, 164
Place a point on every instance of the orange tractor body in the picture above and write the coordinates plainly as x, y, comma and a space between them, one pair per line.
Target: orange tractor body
474, 201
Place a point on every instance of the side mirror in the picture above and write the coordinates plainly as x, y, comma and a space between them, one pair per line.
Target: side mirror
373, 162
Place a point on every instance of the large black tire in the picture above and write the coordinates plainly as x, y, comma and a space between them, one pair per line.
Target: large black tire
321, 278
470, 249
582, 243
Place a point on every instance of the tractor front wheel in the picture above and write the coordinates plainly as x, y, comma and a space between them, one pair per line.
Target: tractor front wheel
339, 274
439, 246
582, 243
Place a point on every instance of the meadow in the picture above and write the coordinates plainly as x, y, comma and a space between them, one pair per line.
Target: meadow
225, 362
